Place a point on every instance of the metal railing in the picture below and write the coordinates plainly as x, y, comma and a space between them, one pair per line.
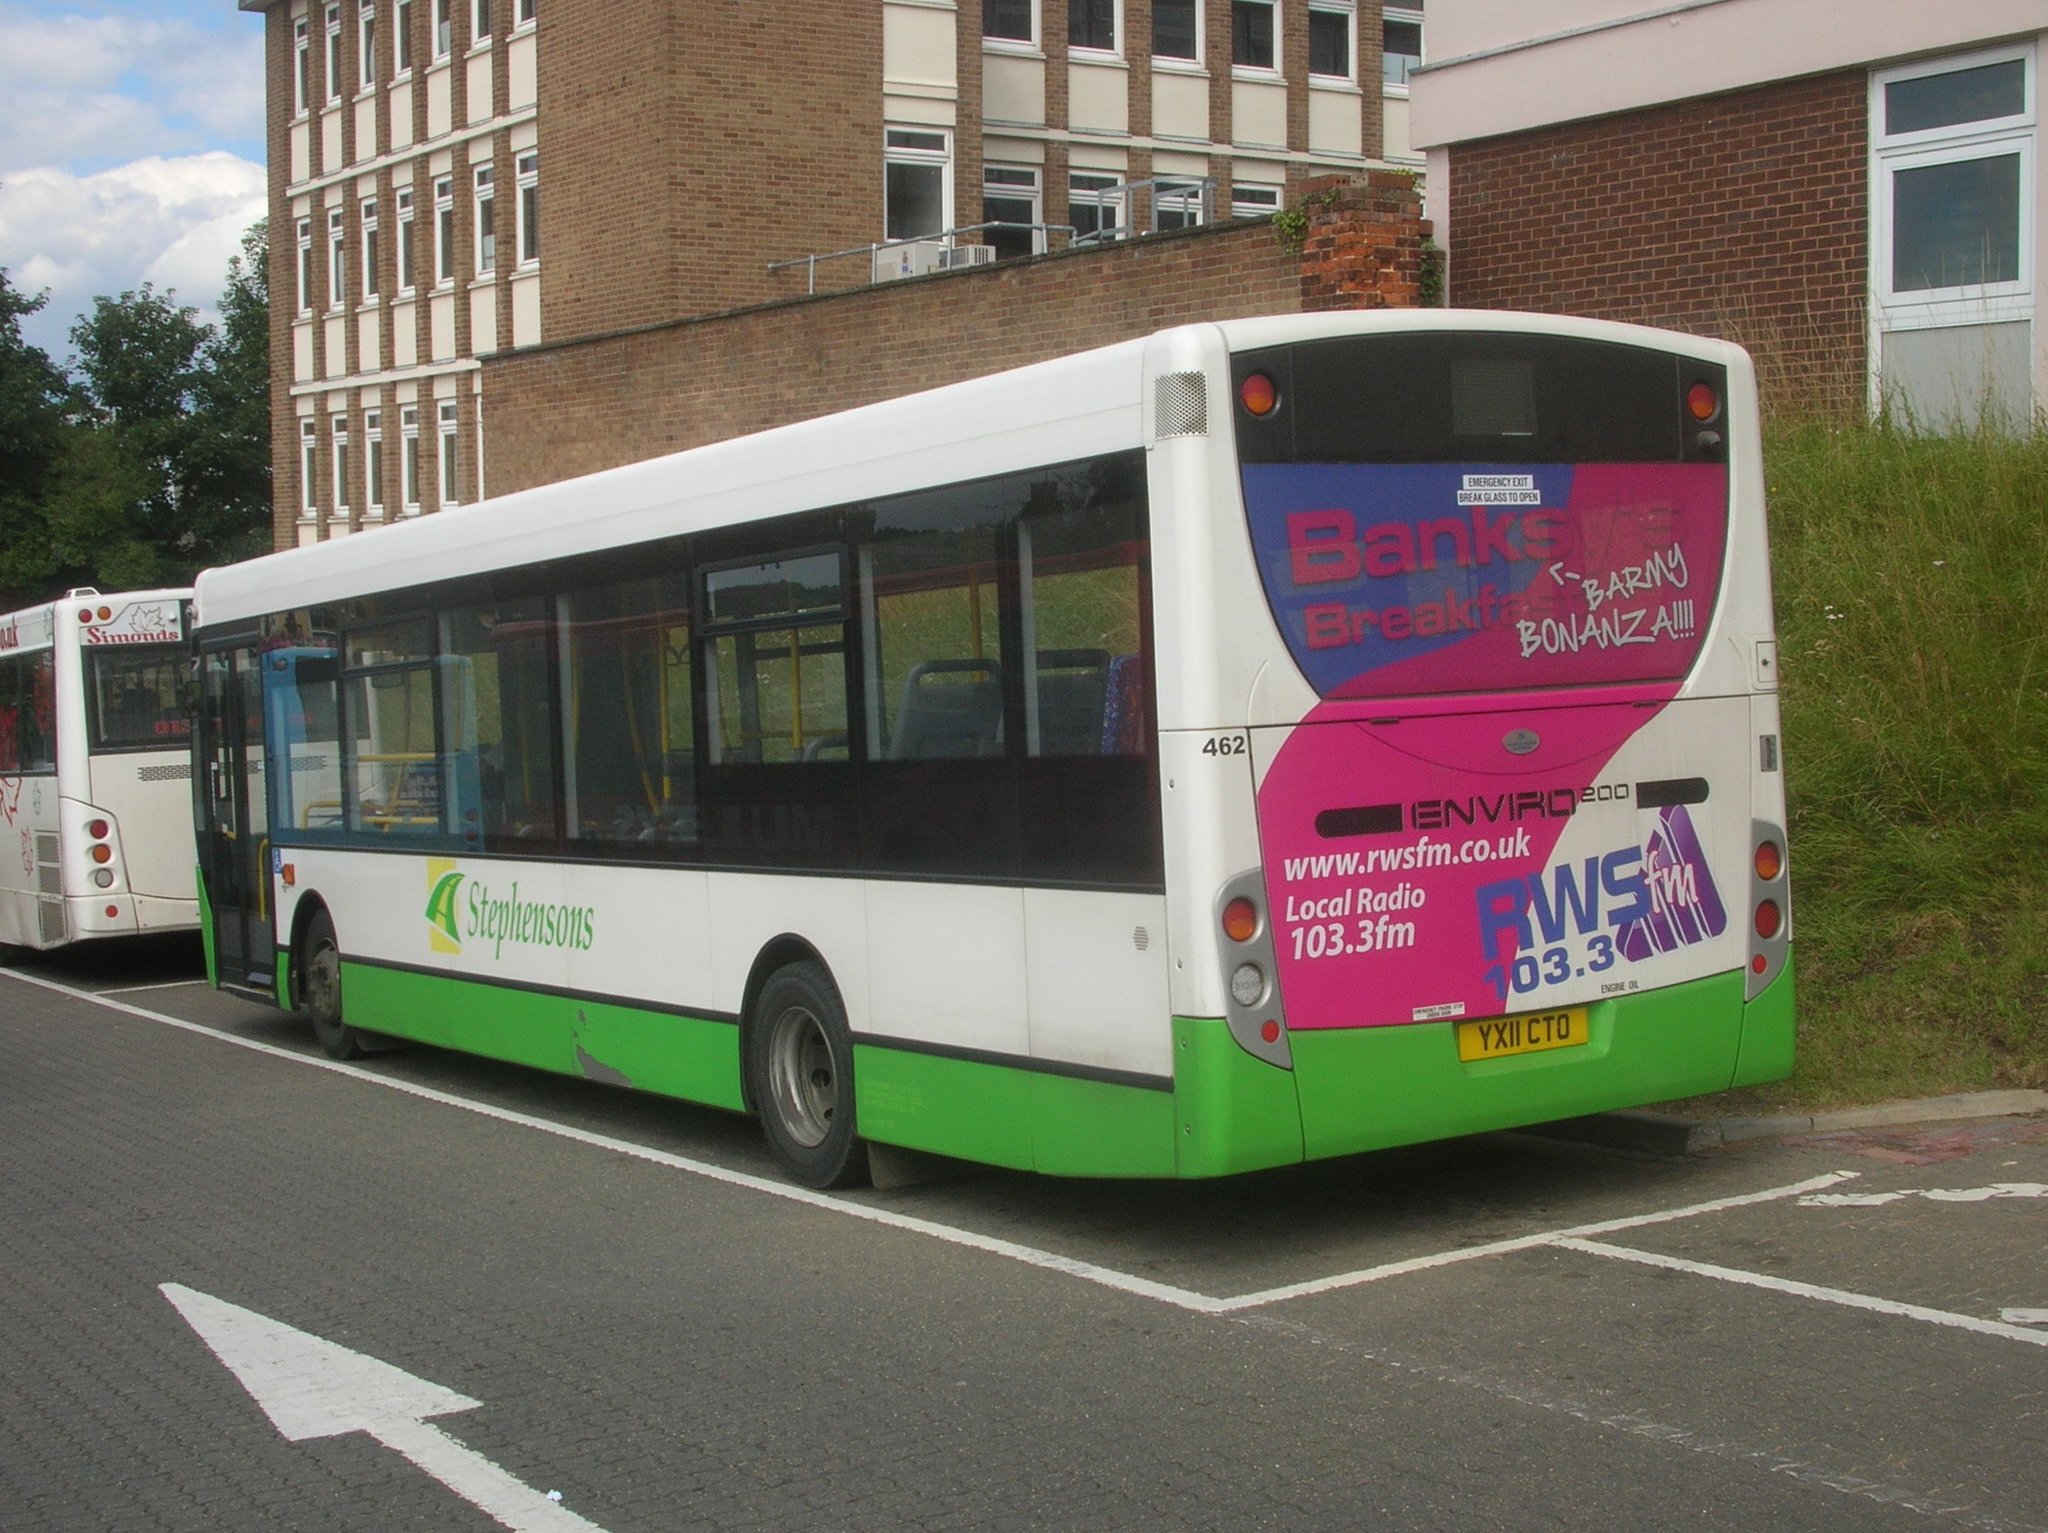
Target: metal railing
937, 236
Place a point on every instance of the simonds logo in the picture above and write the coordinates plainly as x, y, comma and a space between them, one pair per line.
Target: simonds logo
453, 915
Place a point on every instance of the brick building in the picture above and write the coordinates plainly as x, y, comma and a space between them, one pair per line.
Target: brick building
1852, 191
680, 148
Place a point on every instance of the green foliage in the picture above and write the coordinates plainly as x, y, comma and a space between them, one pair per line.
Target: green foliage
1911, 575
153, 460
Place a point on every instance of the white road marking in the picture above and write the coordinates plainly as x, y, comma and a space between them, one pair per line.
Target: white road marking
1840, 1296
176, 984
2024, 1316
1932, 1194
310, 1387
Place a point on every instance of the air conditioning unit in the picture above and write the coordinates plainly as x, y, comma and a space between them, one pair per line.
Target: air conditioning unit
966, 255
912, 260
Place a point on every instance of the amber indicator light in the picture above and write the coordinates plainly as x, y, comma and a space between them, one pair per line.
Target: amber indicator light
1259, 394
1240, 920
103, 853
1770, 862
1702, 402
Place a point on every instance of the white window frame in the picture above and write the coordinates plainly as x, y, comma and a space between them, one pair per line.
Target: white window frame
1119, 206
1030, 45
1175, 191
1261, 72
309, 467
302, 66
409, 460
527, 183
337, 258
401, 39
1115, 50
305, 237
366, 45
448, 414
1254, 199
481, 30
1349, 11
1409, 14
1170, 62
444, 28
484, 225
408, 241
368, 222
334, 52
373, 465
1991, 138
897, 150
444, 231
1032, 191
526, 14
338, 430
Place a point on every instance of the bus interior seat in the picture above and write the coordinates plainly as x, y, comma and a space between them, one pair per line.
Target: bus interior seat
1073, 685
949, 708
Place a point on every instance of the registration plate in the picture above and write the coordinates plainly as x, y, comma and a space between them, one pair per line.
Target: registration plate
1499, 1037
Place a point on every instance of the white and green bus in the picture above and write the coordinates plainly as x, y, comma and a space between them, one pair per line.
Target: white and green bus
95, 753
1267, 740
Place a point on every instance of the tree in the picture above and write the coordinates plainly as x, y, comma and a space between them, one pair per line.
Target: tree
231, 448
32, 395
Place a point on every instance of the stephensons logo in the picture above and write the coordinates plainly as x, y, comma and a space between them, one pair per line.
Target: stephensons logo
455, 914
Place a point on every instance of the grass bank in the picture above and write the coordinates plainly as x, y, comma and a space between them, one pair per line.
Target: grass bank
1912, 602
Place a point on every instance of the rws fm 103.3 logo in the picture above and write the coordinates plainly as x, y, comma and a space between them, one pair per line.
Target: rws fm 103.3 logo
460, 907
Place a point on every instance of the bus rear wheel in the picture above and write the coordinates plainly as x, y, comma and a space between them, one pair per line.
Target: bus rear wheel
799, 1066
319, 984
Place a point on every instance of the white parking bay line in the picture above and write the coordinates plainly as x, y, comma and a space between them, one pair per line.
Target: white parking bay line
1809, 1291
1051, 1261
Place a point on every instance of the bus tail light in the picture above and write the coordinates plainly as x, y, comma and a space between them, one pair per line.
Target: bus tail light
1251, 988
101, 852
1259, 394
1770, 926
1701, 402
1770, 862
97, 829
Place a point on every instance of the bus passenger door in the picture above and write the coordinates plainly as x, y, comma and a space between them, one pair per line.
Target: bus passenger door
234, 830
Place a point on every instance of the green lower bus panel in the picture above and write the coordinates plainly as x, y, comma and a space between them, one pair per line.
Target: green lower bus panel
619, 1045
1767, 1033
206, 928
1371, 1088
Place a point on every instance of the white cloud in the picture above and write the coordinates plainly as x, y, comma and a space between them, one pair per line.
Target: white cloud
174, 222
107, 88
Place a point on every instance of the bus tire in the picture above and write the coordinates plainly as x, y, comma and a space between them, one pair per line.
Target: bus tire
799, 1069
319, 971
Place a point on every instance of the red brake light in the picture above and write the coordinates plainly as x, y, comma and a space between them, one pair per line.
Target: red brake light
85, 614
1768, 919
1702, 401
1259, 394
1240, 920
1270, 1032
1770, 862
97, 829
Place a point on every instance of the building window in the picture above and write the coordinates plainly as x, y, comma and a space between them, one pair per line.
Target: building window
302, 65
1251, 33
1400, 44
409, 458
309, 465
444, 229
1009, 195
486, 219
366, 50
408, 243
337, 258
340, 426
481, 32
1952, 246
1179, 204
916, 165
447, 416
1092, 24
1010, 21
1249, 200
373, 462
333, 53
528, 167
528, 9
1095, 206
1329, 42
444, 28
1176, 29
401, 39
305, 266
369, 247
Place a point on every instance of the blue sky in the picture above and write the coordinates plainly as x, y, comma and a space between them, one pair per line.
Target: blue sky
131, 149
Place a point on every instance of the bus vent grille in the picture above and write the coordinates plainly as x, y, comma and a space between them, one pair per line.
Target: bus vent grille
1183, 405
49, 878
181, 772
50, 920
46, 846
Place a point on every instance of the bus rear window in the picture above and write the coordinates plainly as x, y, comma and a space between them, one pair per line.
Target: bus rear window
137, 698
1462, 512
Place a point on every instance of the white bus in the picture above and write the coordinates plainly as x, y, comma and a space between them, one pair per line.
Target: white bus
1267, 740
95, 769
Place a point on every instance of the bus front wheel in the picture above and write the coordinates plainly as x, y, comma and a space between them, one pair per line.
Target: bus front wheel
319, 969
799, 1064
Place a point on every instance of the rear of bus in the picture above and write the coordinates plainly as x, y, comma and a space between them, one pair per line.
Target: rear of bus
1511, 732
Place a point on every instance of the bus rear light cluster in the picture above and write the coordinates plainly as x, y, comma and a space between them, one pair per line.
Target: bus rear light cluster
100, 852
1768, 903
1252, 998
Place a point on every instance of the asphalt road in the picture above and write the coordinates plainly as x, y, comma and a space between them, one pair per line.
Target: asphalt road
1500, 1332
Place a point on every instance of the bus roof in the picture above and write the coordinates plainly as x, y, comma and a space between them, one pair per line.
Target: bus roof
1069, 408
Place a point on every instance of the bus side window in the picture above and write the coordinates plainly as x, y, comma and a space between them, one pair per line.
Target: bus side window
630, 726
497, 724
1084, 600
776, 646
931, 600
